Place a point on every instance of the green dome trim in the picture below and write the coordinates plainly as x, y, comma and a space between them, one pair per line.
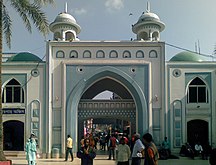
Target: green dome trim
188, 57
24, 57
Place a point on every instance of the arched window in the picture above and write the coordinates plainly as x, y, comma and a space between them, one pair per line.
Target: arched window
197, 92
144, 36
126, 54
57, 36
69, 36
13, 92
155, 36
86, 54
152, 54
113, 54
73, 54
60, 54
100, 54
139, 54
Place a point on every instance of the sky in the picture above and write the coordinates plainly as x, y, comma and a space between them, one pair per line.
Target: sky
188, 23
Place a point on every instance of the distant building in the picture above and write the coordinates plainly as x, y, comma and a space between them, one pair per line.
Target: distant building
53, 98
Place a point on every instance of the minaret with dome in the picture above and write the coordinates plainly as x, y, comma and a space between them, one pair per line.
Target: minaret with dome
148, 27
65, 27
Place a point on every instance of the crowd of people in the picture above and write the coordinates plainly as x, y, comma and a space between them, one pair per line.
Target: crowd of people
122, 148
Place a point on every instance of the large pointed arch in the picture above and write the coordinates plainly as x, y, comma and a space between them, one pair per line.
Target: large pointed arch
75, 95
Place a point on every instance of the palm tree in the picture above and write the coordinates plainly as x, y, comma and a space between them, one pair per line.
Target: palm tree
28, 10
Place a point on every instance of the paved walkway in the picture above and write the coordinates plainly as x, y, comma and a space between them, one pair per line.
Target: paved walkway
102, 160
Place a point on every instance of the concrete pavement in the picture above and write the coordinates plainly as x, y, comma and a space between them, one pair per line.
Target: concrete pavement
102, 160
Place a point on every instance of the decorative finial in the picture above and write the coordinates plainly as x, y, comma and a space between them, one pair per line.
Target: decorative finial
148, 7
65, 7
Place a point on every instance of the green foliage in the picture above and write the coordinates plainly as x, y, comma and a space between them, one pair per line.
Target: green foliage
28, 10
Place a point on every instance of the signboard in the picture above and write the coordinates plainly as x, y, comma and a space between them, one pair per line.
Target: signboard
13, 111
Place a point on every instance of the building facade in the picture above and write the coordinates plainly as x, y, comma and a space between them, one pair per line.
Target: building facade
54, 98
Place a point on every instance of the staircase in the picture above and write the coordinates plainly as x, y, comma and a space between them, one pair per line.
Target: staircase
18, 154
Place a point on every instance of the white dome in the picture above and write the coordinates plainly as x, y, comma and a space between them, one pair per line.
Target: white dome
65, 17
148, 16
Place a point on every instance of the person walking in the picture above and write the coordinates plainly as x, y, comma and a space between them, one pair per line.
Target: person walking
123, 153
112, 146
151, 151
103, 142
132, 141
138, 150
31, 150
69, 148
88, 153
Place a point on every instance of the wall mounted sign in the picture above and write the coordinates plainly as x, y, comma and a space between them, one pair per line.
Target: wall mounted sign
13, 111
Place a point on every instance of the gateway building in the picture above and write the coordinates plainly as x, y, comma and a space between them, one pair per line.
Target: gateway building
55, 97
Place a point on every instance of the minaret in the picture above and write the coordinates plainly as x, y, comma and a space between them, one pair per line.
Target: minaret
148, 27
65, 27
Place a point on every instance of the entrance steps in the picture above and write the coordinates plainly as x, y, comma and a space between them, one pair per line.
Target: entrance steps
19, 154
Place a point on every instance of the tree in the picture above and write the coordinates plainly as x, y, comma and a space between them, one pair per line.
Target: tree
28, 10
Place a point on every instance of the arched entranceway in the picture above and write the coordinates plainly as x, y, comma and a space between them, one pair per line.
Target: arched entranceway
13, 132
197, 131
118, 116
105, 78
116, 112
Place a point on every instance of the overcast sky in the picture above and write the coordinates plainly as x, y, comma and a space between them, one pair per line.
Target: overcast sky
187, 22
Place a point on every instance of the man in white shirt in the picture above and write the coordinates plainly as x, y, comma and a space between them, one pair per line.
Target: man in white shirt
138, 150
69, 148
